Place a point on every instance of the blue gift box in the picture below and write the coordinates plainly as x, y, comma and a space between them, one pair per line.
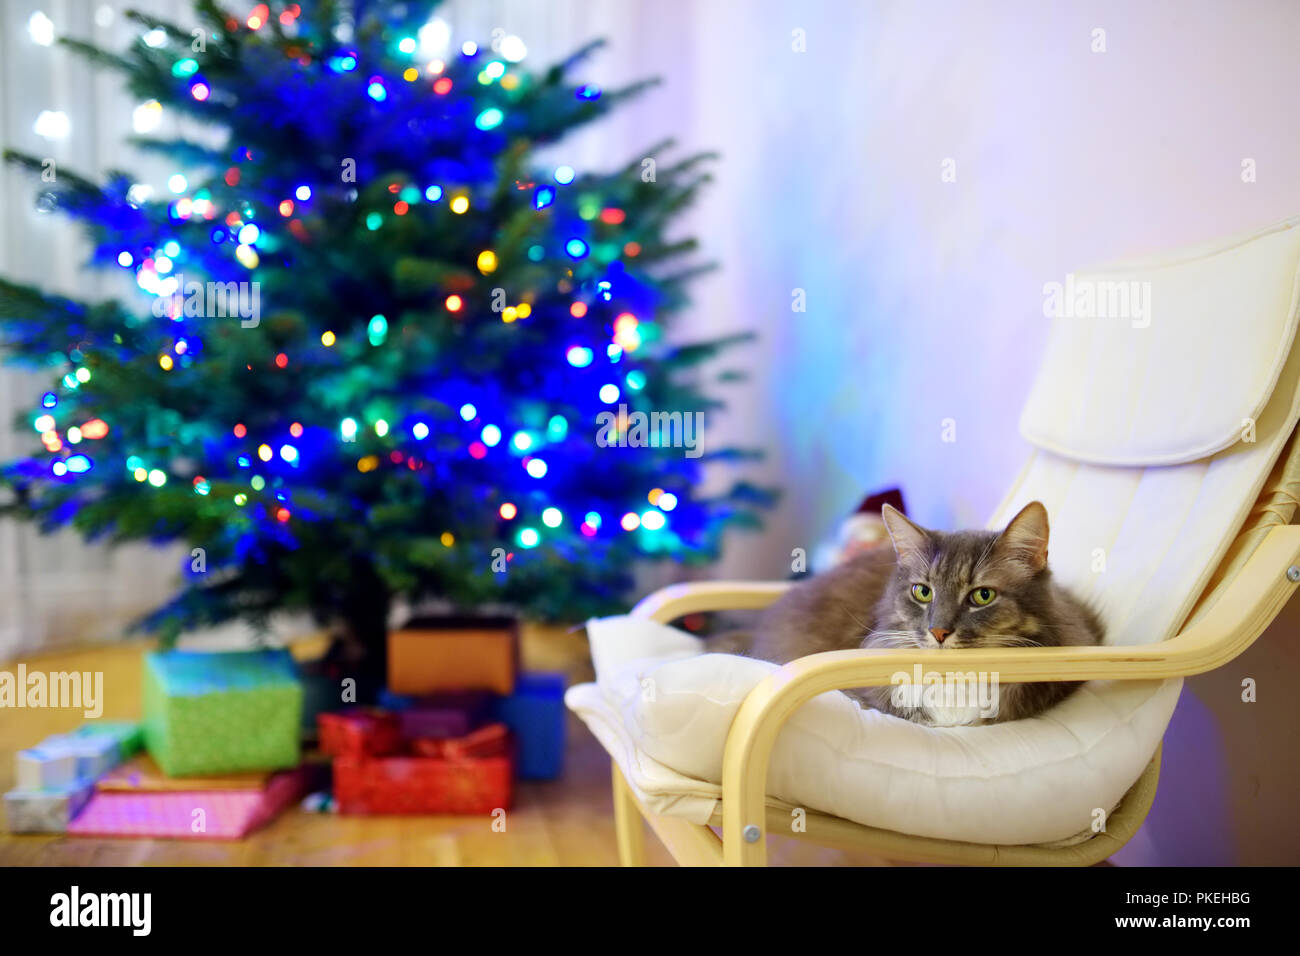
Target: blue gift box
536, 716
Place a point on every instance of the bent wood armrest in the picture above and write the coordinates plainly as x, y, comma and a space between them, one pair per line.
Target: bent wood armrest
678, 600
1250, 602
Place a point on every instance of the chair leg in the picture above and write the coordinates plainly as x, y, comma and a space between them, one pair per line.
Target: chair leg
627, 823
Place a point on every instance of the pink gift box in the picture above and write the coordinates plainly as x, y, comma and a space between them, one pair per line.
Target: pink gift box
227, 814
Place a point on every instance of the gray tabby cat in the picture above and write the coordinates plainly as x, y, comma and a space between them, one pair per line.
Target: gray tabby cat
937, 589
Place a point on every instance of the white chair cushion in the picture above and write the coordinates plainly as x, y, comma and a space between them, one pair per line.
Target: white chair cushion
662, 709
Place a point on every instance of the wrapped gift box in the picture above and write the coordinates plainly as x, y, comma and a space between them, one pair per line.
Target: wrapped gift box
84, 754
228, 812
453, 654
47, 766
95, 755
491, 740
445, 715
213, 713
413, 785
536, 716
360, 732
45, 811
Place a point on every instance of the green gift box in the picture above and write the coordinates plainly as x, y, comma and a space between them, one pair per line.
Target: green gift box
213, 713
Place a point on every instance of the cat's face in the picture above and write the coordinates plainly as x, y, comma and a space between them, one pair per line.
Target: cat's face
966, 589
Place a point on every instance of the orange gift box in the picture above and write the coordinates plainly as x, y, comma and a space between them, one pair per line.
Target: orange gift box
451, 654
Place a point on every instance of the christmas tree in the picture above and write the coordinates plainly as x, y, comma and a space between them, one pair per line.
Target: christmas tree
372, 336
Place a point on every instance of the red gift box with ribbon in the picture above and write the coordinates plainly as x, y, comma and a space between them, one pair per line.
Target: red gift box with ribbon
426, 784
491, 740
363, 731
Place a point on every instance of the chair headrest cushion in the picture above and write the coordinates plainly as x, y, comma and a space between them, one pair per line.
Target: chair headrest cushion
1167, 361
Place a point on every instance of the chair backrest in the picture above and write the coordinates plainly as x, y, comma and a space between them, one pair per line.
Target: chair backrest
1161, 420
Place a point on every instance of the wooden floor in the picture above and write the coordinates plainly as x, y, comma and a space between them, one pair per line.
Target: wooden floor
567, 822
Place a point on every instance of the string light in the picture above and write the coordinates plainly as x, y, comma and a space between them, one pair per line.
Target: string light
40, 28
489, 119
508, 511
579, 356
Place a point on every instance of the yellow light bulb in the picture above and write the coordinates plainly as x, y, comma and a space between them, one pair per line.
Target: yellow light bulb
487, 261
460, 204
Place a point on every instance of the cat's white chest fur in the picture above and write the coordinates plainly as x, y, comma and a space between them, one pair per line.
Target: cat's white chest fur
941, 716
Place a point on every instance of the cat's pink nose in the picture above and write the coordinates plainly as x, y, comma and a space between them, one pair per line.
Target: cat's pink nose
939, 633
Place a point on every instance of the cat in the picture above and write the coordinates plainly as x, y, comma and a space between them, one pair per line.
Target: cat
936, 589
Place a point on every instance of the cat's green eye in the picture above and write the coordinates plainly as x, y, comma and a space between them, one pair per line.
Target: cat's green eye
922, 593
982, 597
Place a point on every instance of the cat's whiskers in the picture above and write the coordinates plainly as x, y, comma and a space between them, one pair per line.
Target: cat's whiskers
890, 638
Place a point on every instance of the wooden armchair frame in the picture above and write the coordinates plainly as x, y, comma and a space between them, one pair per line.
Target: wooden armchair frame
1244, 606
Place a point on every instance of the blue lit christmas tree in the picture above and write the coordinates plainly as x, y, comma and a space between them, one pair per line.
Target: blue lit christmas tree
372, 337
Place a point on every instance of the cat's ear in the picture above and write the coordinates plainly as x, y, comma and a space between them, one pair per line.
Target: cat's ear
909, 539
1025, 538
